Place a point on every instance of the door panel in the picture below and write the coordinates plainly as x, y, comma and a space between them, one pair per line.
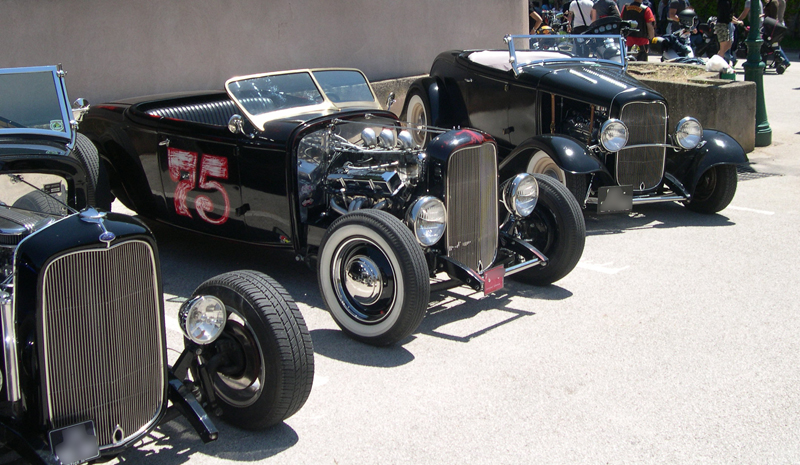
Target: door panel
201, 185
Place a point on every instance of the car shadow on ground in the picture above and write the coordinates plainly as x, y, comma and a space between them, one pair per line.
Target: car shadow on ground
175, 442
459, 314
651, 216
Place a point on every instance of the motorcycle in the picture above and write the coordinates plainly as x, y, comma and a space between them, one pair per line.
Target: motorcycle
676, 47
608, 48
772, 55
704, 40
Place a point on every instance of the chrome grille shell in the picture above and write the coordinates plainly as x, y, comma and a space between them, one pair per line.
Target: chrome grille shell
643, 167
102, 341
471, 201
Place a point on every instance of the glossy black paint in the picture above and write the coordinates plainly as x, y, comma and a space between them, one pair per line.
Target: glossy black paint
68, 235
57, 164
515, 110
262, 172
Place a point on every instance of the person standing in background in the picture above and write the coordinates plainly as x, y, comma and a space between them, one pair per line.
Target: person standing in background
723, 27
580, 14
675, 7
534, 18
604, 9
646, 31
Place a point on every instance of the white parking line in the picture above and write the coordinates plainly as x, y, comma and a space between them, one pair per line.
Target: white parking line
753, 210
602, 268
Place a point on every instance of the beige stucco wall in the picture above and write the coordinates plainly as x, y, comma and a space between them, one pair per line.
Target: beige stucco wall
121, 48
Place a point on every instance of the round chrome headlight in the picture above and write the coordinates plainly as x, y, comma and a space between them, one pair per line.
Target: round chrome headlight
427, 218
202, 319
520, 194
688, 133
613, 135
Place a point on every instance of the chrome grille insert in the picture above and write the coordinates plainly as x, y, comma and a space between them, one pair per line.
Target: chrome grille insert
471, 199
103, 340
643, 167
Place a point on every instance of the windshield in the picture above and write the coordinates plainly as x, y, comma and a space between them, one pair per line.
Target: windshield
31, 101
267, 97
536, 50
264, 94
344, 86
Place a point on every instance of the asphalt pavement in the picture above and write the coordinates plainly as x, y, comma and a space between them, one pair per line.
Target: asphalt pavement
675, 340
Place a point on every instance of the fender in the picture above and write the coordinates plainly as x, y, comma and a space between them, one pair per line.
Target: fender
568, 153
429, 86
719, 149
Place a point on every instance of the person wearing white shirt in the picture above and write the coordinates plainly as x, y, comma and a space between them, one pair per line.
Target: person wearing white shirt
580, 15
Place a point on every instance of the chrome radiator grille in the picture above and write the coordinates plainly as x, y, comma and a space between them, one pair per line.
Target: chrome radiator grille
472, 206
103, 341
643, 167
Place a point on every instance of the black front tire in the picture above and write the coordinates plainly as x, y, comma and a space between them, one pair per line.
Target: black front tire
557, 229
98, 194
373, 277
715, 190
272, 377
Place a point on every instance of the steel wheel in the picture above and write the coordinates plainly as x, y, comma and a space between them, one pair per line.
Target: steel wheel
418, 114
541, 163
373, 277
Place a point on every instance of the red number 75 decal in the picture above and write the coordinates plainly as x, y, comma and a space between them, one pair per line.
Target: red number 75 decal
183, 170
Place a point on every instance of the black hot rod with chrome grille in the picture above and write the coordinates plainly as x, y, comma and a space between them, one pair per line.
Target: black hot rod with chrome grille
307, 160
83, 361
565, 107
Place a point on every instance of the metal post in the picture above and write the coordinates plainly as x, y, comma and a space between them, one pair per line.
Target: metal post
754, 71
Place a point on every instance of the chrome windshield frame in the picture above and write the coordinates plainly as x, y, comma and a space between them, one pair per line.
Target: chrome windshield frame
517, 67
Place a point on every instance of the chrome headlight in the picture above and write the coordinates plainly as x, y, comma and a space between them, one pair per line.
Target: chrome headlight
520, 194
613, 135
688, 133
202, 319
427, 218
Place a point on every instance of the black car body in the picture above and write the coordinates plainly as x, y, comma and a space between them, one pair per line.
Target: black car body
83, 360
564, 106
306, 160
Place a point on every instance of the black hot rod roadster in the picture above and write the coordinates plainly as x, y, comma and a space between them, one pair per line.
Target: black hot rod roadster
308, 160
83, 359
563, 105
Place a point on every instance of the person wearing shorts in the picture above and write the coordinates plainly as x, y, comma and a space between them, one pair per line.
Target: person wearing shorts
722, 29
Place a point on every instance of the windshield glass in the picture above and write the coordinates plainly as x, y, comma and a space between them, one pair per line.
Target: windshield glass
533, 50
31, 101
344, 86
264, 94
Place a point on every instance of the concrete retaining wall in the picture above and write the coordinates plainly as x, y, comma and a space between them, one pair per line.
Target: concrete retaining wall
721, 104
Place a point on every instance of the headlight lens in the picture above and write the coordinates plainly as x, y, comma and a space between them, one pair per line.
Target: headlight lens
688, 133
202, 319
613, 135
520, 194
427, 218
